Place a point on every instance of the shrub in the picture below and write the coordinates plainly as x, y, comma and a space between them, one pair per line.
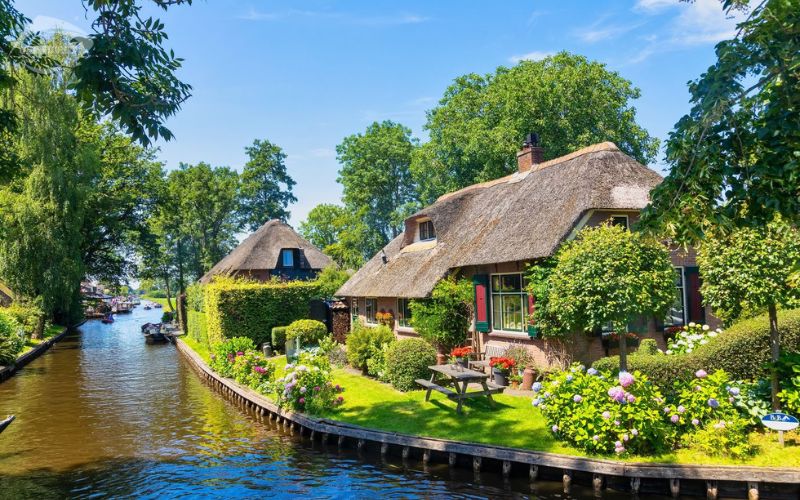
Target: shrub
444, 319
252, 369
167, 317
254, 309
196, 326
337, 355
364, 342
722, 438
789, 372
279, 337
194, 297
12, 339
30, 317
602, 414
690, 337
306, 331
742, 351
521, 355
306, 385
647, 346
408, 360
223, 354
376, 365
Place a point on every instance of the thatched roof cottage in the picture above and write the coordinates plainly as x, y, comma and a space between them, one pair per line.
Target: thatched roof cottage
489, 232
273, 250
6, 295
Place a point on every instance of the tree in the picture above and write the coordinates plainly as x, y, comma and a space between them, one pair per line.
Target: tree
377, 181
752, 269
734, 157
324, 225
330, 280
478, 126
444, 318
610, 275
262, 197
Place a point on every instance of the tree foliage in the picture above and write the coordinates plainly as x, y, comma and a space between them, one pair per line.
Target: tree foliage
610, 275
340, 234
735, 157
478, 126
445, 317
266, 187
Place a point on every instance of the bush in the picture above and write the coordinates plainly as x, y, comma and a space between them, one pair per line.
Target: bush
364, 342
279, 338
408, 360
648, 346
376, 365
742, 351
254, 309
196, 326
689, 338
194, 297
167, 317
157, 294
599, 413
12, 339
306, 331
306, 385
337, 355
444, 319
223, 354
30, 317
252, 369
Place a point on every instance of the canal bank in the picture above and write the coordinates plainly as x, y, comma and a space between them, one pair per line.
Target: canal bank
8, 371
653, 478
103, 414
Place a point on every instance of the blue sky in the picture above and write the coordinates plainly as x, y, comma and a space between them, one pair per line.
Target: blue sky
306, 74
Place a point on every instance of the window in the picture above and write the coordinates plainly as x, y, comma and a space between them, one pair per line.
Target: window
509, 302
403, 313
354, 311
371, 309
426, 231
677, 314
287, 257
620, 220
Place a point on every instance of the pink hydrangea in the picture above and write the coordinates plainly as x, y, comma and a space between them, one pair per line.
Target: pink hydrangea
700, 373
626, 379
606, 415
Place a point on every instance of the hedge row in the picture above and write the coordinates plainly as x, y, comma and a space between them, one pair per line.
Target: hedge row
254, 309
196, 326
742, 351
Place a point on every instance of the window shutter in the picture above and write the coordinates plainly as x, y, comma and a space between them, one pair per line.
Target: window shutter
481, 285
533, 330
694, 306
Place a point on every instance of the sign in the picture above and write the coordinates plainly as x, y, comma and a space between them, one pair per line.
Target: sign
780, 422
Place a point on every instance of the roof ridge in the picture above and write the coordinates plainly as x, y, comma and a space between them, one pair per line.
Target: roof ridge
594, 148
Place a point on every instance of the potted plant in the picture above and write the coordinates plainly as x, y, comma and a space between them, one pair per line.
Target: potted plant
515, 379
501, 368
461, 355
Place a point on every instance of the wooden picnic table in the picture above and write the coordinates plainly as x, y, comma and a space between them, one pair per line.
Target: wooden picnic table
459, 378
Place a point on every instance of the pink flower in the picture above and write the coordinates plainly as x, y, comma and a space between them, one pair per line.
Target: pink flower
606, 415
626, 379
617, 394
240, 353
695, 421
700, 373
675, 419
302, 401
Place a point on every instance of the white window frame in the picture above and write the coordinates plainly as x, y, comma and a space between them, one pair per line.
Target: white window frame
366, 311
627, 220
355, 312
523, 296
419, 229
290, 253
684, 297
399, 312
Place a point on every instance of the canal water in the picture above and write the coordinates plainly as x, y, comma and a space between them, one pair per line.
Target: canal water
102, 414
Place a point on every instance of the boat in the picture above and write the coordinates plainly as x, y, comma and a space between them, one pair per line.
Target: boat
147, 307
157, 305
153, 334
108, 319
5, 423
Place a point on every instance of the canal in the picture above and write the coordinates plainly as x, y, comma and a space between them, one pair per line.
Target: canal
103, 414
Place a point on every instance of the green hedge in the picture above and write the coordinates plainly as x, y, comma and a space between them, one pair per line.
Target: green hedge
279, 338
254, 309
308, 331
196, 327
194, 297
30, 317
408, 360
742, 351
364, 342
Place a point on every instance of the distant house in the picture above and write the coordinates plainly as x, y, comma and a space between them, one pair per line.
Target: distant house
6, 295
274, 250
489, 232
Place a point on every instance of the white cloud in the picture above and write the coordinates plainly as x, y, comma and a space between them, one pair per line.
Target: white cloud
654, 5
536, 55
48, 25
399, 19
598, 31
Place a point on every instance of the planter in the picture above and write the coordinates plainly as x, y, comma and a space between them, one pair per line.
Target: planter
292, 346
463, 362
528, 376
514, 384
500, 377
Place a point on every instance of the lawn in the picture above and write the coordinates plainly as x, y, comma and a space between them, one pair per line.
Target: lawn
50, 331
162, 301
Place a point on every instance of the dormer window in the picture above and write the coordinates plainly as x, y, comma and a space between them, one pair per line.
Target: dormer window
426, 231
620, 220
287, 257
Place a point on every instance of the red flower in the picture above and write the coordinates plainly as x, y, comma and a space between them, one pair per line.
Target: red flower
501, 363
461, 352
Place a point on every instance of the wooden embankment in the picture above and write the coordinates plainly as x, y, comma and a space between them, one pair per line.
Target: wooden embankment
710, 481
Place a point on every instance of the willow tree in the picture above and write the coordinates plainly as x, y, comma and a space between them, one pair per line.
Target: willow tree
751, 270
609, 275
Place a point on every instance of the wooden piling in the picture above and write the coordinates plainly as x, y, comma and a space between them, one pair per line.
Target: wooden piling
636, 483
675, 487
597, 483
476, 464
712, 490
567, 480
506, 468
384, 449
406, 451
752, 490
451, 459
533, 473
426, 456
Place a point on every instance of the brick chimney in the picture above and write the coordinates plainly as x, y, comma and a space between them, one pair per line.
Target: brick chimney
531, 153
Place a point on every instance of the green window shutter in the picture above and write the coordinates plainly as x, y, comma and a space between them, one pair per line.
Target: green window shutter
694, 301
480, 283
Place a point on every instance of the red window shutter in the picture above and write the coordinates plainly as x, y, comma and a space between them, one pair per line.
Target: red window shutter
694, 307
481, 284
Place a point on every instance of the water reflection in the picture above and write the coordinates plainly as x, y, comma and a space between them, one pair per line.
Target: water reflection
103, 414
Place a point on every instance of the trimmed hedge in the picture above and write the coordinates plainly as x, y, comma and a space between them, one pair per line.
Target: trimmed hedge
194, 297
254, 309
742, 351
196, 326
408, 360
279, 338
307, 331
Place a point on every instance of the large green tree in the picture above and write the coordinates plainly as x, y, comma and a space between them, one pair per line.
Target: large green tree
608, 274
266, 187
376, 180
340, 234
735, 157
478, 125
750, 270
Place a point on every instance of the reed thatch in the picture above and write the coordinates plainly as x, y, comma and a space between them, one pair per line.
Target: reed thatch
261, 251
6, 295
521, 217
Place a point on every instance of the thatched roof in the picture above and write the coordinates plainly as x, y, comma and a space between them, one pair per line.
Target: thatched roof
520, 217
6, 295
261, 250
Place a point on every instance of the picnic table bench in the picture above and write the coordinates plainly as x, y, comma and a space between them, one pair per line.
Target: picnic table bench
459, 378
489, 351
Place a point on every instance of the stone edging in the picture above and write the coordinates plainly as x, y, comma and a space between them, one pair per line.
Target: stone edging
7, 371
602, 471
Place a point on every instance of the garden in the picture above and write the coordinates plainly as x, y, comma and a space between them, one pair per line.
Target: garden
22, 328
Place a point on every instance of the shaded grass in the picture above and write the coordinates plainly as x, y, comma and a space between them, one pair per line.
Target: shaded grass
31, 344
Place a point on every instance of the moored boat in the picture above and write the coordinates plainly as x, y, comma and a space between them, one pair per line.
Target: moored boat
5, 423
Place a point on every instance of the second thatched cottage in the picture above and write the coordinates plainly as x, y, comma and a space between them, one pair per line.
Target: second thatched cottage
489, 232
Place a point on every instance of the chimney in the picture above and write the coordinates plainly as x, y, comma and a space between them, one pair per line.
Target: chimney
531, 153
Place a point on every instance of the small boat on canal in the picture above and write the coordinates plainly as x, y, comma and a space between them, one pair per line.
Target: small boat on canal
153, 334
108, 319
5, 423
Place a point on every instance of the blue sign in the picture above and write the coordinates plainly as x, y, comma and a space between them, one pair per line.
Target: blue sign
780, 422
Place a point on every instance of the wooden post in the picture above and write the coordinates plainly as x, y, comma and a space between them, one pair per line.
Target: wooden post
340, 442
451, 459
636, 483
360, 445
324, 438
752, 490
506, 468
675, 487
426, 456
476, 464
313, 433
567, 479
406, 451
711, 490
533, 473
384, 449
597, 483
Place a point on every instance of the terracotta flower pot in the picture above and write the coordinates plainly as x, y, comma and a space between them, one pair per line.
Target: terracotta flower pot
528, 376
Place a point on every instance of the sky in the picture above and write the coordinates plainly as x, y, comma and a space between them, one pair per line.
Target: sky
304, 75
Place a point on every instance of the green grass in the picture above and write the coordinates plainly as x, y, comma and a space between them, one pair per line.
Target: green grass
514, 422
161, 301
50, 331
200, 348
